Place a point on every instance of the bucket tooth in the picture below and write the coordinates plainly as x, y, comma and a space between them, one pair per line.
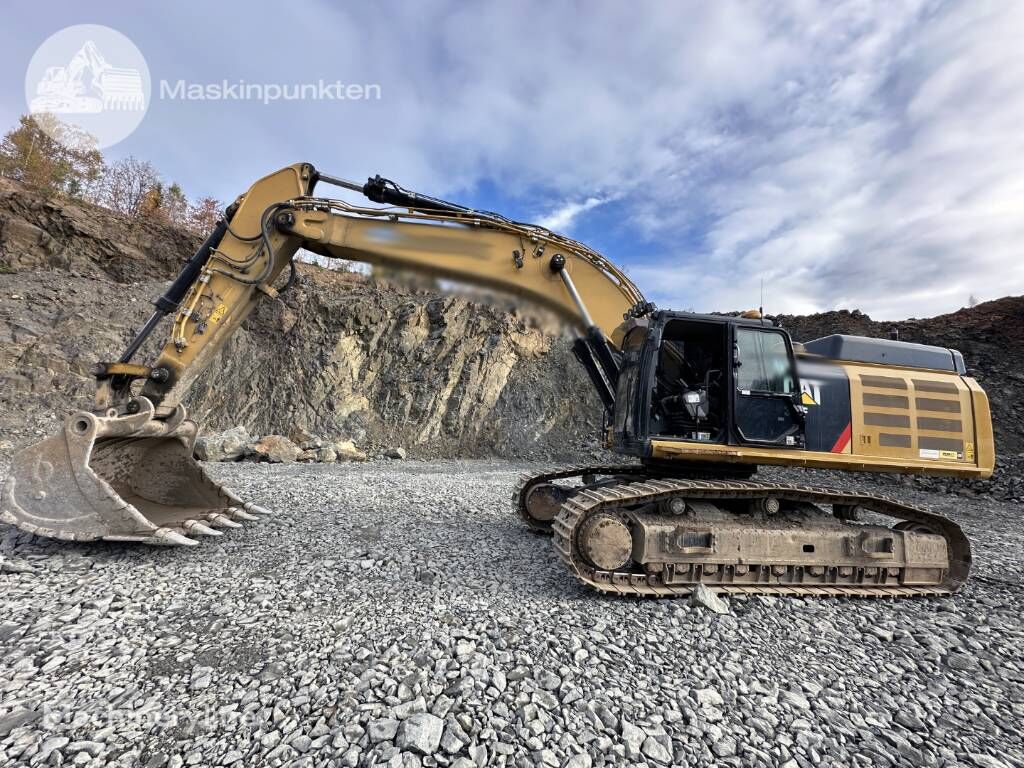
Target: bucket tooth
234, 497
197, 528
237, 513
169, 537
237, 502
220, 520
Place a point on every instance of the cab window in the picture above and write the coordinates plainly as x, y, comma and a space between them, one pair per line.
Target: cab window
764, 362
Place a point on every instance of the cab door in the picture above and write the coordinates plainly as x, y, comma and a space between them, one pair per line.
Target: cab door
766, 408
629, 421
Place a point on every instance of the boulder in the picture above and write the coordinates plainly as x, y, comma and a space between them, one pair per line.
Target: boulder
276, 449
325, 455
345, 450
300, 436
227, 446
704, 597
309, 442
382, 730
420, 733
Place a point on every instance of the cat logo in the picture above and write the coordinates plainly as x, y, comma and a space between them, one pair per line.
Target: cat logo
810, 392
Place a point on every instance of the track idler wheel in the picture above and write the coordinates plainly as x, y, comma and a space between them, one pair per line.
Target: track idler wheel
606, 542
542, 503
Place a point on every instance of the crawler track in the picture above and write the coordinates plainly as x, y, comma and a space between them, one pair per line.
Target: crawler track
620, 498
531, 481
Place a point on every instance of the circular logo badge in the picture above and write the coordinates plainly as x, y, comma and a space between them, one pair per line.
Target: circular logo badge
88, 85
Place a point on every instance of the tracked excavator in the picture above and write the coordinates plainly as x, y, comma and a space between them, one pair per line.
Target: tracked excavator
694, 403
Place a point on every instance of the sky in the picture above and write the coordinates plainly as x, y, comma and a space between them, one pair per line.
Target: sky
843, 154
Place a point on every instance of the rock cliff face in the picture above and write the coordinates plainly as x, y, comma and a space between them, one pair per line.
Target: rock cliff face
345, 358
338, 355
384, 366
75, 237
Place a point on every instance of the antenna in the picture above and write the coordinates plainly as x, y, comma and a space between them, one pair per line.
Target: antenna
760, 309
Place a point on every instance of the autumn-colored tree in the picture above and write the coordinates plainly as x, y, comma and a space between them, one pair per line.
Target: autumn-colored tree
176, 205
50, 156
204, 214
127, 186
152, 207
54, 157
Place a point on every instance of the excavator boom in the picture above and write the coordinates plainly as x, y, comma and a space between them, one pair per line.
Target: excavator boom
278, 215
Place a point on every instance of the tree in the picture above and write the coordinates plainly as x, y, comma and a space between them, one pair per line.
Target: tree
176, 205
204, 214
50, 156
152, 206
127, 186
54, 157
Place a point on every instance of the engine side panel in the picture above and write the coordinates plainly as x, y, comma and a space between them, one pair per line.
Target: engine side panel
916, 415
899, 420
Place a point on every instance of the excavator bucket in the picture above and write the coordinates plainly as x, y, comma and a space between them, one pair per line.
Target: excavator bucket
120, 478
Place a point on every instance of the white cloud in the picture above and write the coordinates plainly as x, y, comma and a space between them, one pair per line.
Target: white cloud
892, 179
562, 218
860, 154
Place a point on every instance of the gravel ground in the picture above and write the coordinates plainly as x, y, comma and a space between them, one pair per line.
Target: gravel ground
396, 613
